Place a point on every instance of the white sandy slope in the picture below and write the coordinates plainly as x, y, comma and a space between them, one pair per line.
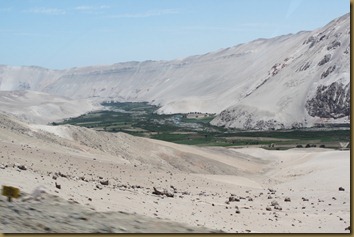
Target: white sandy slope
43, 108
204, 178
256, 81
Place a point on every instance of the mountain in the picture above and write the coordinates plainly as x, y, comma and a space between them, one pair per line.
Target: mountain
295, 80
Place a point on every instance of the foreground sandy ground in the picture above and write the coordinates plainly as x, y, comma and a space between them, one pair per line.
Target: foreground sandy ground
232, 190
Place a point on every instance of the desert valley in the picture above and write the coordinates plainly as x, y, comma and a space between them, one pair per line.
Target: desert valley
253, 138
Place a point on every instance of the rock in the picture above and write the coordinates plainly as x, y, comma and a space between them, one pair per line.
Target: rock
325, 59
62, 175
58, 186
238, 211
304, 67
162, 192
54, 177
328, 71
305, 199
268, 208
277, 207
2, 166
274, 203
272, 191
174, 189
105, 182
99, 186
287, 199
348, 228
234, 199
158, 191
341, 189
335, 44
22, 167
330, 101
250, 199
270, 197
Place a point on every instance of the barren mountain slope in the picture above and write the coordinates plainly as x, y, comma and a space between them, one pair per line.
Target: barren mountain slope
291, 80
310, 85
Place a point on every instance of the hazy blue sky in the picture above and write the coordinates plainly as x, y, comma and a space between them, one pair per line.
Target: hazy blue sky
68, 33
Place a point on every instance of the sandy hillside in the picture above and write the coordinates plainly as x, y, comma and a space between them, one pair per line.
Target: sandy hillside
233, 190
302, 79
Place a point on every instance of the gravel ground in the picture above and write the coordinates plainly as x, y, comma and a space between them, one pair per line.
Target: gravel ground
47, 213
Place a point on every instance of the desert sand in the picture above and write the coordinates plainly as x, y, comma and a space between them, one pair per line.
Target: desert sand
248, 190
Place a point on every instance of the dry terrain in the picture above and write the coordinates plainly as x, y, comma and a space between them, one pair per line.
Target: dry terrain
117, 178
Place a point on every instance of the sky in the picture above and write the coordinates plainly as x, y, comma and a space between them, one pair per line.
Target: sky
74, 33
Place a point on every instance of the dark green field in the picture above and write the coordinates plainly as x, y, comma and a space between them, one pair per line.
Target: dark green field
140, 119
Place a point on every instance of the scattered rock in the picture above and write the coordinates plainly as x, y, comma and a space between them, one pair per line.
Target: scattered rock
268, 208
305, 199
287, 199
341, 189
274, 203
105, 182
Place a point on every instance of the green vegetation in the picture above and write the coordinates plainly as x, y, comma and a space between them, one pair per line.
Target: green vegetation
141, 119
